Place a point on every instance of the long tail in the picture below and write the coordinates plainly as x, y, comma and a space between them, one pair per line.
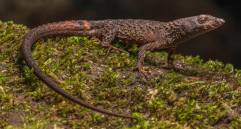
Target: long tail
60, 28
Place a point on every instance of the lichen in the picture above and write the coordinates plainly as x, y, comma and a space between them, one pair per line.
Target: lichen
197, 94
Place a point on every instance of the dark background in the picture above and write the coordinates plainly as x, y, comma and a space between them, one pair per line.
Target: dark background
223, 44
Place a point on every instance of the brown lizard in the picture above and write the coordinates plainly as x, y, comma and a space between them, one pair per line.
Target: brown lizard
150, 35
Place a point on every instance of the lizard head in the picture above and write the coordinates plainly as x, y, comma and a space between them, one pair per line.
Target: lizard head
191, 27
202, 23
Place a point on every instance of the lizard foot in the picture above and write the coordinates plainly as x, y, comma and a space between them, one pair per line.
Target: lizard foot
176, 67
141, 73
116, 49
169, 67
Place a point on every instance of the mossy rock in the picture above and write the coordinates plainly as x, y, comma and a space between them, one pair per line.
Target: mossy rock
197, 94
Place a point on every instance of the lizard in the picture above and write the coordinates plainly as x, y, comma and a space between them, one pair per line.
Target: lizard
149, 35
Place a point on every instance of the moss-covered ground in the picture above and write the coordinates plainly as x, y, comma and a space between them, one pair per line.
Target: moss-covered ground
197, 95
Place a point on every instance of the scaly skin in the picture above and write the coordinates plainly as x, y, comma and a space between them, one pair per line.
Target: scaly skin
150, 35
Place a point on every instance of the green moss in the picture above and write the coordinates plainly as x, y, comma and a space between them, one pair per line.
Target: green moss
197, 95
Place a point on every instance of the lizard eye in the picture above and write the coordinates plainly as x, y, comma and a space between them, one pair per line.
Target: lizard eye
202, 20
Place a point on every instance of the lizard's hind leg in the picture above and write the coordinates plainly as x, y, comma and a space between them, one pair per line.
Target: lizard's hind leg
141, 56
107, 39
170, 59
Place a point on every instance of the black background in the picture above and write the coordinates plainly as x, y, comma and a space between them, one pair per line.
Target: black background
223, 44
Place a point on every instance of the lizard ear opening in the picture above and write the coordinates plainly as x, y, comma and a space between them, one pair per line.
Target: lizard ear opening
202, 19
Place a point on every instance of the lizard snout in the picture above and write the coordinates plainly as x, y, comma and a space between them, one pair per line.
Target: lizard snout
221, 21
215, 23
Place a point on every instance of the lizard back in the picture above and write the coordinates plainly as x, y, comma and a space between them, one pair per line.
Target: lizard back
140, 31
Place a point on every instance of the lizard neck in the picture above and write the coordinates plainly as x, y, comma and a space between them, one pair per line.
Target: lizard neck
175, 32
180, 30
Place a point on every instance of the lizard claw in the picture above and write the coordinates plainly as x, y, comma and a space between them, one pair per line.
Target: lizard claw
141, 73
